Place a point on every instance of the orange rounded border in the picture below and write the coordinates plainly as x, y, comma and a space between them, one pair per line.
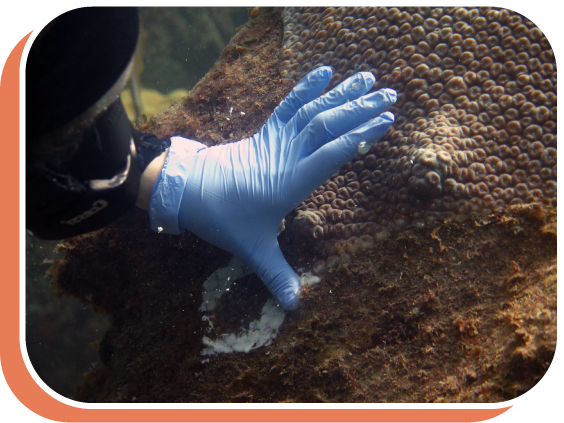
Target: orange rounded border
37, 400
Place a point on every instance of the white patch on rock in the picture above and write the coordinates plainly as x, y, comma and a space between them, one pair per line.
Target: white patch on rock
260, 333
220, 281
307, 279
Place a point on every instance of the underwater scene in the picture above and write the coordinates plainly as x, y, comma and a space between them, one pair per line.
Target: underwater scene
427, 263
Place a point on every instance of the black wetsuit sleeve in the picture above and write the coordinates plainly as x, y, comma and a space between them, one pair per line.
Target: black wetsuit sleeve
149, 147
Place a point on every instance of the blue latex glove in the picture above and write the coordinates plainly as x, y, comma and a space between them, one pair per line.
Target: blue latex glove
235, 195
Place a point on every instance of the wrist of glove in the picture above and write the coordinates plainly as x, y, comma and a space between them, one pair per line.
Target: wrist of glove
235, 195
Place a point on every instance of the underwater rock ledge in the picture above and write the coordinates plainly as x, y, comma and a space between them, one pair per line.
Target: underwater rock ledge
450, 311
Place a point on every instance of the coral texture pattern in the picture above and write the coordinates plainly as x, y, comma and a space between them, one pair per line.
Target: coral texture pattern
475, 122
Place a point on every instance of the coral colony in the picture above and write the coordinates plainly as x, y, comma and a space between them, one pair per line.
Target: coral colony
475, 125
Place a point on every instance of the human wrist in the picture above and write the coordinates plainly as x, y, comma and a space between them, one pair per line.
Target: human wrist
168, 189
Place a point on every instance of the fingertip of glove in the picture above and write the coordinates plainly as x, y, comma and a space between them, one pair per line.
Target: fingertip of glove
291, 303
369, 79
320, 75
389, 116
392, 94
288, 296
285, 288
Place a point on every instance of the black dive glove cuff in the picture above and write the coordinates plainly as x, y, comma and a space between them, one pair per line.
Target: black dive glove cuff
149, 147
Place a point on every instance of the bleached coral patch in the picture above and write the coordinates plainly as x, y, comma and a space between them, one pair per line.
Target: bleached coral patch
260, 333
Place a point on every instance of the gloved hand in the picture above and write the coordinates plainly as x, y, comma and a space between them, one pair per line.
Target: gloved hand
235, 195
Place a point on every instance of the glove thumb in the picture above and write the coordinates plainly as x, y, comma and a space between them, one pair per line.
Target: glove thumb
277, 275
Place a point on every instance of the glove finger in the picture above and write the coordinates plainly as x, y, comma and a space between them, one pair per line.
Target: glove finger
309, 88
348, 90
277, 275
332, 123
328, 159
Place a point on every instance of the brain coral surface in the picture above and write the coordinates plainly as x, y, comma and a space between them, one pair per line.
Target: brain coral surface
475, 122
